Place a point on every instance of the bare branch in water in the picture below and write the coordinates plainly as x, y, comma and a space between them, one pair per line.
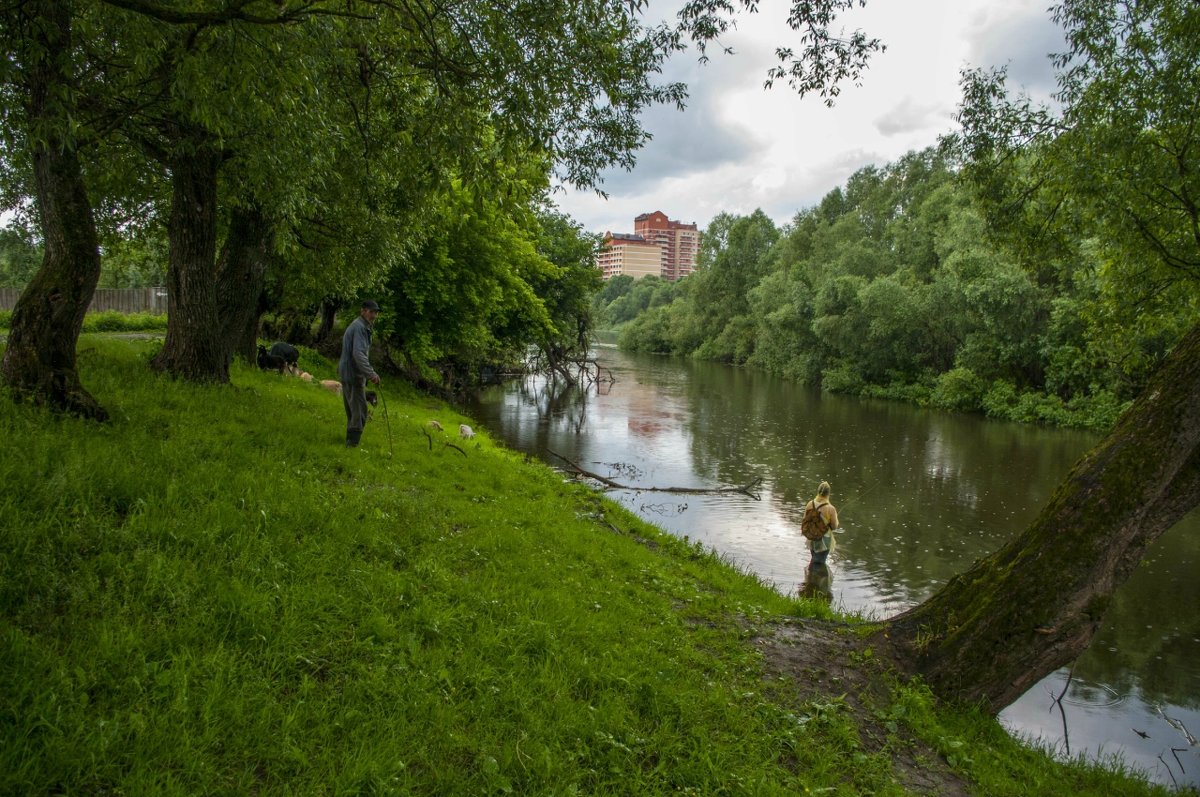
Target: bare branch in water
746, 489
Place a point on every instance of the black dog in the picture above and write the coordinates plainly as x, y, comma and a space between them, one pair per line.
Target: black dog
287, 351
268, 361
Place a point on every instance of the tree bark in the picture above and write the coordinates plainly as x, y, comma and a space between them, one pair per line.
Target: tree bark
1018, 615
39, 363
329, 308
194, 348
241, 277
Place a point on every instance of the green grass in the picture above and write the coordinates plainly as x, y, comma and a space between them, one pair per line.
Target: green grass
212, 595
108, 321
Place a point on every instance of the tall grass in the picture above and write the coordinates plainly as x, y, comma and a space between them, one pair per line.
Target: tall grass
108, 321
211, 594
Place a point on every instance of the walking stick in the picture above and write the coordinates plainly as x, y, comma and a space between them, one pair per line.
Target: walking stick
388, 420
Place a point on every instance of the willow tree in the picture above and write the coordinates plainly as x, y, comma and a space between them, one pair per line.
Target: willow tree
40, 84
1116, 163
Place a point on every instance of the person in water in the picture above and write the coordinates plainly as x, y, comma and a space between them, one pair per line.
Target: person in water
820, 548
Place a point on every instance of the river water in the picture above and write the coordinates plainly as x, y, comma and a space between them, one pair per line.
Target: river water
921, 495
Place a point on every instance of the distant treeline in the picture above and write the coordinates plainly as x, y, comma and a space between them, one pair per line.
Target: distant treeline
893, 287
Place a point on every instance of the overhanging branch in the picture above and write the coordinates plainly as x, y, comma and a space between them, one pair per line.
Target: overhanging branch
233, 13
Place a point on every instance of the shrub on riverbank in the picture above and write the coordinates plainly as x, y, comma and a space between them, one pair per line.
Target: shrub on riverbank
211, 594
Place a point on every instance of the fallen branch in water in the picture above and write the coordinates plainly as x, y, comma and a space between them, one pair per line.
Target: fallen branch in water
746, 489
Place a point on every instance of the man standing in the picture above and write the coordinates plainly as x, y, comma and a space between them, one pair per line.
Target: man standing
354, 370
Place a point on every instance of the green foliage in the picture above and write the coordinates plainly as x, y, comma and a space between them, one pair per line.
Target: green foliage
469, 295
1098, 190
650, 332
109, 321
567, 292
842, 378
134, 260
622, 299
959, 389
734, 256
20, 256
613, 289
900, 389
114, 321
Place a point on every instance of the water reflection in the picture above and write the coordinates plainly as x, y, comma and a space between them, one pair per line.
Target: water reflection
921, 495
818, 583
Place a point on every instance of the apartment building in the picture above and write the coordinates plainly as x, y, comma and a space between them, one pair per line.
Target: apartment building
622, 253
679, 242
657, 246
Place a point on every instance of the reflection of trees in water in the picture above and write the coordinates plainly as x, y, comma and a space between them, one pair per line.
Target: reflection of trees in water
1152, 629
555, 401
663, 509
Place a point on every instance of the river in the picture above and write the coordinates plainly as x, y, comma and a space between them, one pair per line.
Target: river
921, 494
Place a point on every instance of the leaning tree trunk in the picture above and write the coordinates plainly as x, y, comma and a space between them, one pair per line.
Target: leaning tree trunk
241, 276
1018, 615
39, 363
193, 349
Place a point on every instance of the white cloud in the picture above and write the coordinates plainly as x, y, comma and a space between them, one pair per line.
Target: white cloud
913, 115
739, 147
1021, 37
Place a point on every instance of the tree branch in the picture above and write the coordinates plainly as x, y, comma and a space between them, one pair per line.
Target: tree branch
233, 13
746, 489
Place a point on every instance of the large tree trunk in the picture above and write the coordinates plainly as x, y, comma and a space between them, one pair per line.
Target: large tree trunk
329, 308
39, 363
194, 349
1019, 614
241, 276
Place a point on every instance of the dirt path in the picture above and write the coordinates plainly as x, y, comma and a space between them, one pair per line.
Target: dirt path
822, 660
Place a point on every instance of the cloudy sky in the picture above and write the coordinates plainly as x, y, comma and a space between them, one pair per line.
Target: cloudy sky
739, 147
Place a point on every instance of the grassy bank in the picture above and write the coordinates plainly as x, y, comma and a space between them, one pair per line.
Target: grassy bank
211, 595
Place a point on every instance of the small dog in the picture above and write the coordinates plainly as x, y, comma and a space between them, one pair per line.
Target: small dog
268, 361
465, 432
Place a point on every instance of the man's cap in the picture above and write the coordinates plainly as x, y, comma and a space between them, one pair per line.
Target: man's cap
370, 304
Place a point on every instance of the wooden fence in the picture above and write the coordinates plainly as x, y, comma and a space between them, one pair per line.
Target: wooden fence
123, 300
